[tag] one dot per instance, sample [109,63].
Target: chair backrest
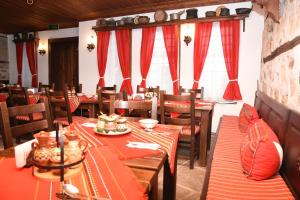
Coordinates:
[181,106]
[43,87]
[199,93]
[144,106]
[114,88]
[105,95]
[9,131]
[140,89]
[59,104]
[18,96]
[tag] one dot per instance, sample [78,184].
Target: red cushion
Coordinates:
[248,116]
[260,156]
[186,130]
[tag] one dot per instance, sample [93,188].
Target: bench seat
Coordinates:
[227,180]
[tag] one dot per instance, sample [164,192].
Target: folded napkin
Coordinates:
[88,124]
[142,145]
[21,153]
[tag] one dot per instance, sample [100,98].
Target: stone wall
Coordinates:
[280,77]
[4,66]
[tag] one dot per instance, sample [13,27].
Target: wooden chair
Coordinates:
[104,97]
[199,93]
[9,131]
[140,89]
[42,87]
[145,107]
[77,89]
[60,110]
[18,96]
[184,109]
[114,88]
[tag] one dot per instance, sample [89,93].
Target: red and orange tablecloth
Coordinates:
[164,135]
[100,177]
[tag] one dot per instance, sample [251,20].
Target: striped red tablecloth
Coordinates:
[164,135]
[100,177]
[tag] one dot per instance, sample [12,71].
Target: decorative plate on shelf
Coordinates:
[112,133]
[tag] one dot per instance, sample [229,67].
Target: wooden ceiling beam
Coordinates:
[17,16]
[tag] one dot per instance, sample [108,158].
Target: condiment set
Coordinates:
[112,123]
[47,153]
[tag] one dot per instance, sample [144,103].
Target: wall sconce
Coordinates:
[90,45]
[187,40]
[42,50]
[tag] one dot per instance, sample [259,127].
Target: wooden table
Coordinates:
[206,113]
[146,170]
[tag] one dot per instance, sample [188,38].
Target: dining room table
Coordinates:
[203,110]
[112,169]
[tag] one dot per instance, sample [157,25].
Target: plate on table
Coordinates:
[112,133]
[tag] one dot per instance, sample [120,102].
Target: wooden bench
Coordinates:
[224,177]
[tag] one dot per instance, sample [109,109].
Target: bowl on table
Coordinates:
[148,124]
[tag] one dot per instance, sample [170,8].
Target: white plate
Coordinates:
[111,133]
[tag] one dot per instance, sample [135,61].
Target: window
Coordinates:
[159,72]
[214,77]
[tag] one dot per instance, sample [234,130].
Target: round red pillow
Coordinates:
[261,153]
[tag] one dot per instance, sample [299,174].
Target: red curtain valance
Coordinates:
[230,33]
[123,44]
[102,51]
[201,44]
[171,39]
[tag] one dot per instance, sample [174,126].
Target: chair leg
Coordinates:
[192,153]
[198,146]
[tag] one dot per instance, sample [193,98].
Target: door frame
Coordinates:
[58,40]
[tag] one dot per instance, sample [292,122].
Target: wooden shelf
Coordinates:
[183,21]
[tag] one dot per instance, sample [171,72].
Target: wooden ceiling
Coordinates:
[18,16]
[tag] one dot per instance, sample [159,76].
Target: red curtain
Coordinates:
[148,37]
[201,43]
[124,52]
[102,49]
[230,33]
[171,38]
[31,50]
[19,53]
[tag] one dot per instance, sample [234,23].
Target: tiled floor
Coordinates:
[189,182]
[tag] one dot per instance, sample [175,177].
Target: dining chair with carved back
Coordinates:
[19,96]
[147,108]
[60,106]
[180,110]
[42,87]
[104,98]
[11,130]
[199,93]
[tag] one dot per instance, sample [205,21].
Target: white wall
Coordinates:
[42,60]
[249,63]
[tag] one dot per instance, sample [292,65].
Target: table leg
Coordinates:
[169,182]
[204,136]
